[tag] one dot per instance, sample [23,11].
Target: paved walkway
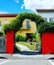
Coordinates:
[23,48]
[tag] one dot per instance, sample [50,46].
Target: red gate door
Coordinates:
[10,42]
[47,43]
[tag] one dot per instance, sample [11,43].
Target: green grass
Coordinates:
[28,44]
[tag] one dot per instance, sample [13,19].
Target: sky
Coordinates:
[18,6]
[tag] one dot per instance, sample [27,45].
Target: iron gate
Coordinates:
[2,44]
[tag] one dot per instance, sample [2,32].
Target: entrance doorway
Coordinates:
[29,37]
[2,44]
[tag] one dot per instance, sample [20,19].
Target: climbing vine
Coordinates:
[16,23]
[46,27]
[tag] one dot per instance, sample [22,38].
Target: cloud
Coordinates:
[17,1]
[3,12]
[36,4]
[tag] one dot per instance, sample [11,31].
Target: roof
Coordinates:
[38,10]
[8,15]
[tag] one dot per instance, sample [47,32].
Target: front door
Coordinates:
[2,45]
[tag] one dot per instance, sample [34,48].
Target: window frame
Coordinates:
[28,23]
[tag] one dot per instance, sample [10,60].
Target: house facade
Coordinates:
[5,18]
[28,27]
[48,14]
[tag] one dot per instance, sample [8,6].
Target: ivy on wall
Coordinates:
[46,27]
[16,23]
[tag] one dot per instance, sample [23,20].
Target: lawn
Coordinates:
[28,44]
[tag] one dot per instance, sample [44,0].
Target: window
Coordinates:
[51,19]
[28,23]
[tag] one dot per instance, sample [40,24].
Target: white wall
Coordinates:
[47,15]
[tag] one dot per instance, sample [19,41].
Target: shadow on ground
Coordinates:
[26,52]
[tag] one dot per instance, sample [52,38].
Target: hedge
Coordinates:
[19,38]
[46,27]
[16,23]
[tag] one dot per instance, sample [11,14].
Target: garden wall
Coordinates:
[10,42]
[47,43]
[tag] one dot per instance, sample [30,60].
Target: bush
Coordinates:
[38,38]
[46,27]
[19,38]
[33,36]
[1,33]
[6,27]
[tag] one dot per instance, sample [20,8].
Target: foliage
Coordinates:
[46,27]
[16,37]
[38,38]
[33,35]
[1,33]
[6,27]
[16,23]
[19,38]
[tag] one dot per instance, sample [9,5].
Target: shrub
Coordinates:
[1,33]
[46,27]
[33,36]
[19,38]
[38,38]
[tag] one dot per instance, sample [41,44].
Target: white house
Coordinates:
[48,14]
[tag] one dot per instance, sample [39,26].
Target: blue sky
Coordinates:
[18,6]
[12,6]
